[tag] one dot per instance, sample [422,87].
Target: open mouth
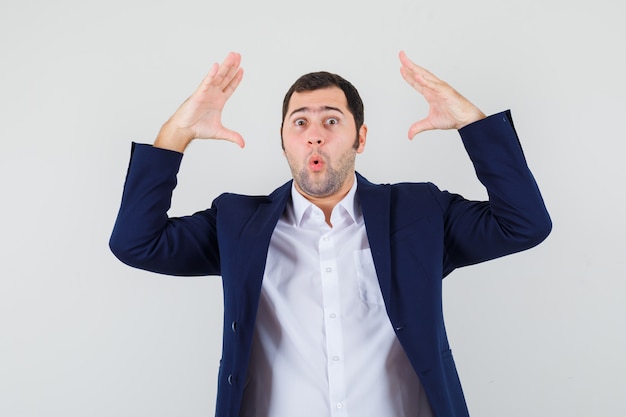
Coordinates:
[316,163]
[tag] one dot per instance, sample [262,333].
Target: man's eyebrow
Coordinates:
[318,109]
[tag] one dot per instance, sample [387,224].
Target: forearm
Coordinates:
[500,164]
[144,236]
[515,217]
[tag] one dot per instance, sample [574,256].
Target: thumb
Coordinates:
[232,136]
[419,127]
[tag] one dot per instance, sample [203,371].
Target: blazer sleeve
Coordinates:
[145,237]
[515,217]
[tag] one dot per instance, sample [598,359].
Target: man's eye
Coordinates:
[332,121]
[300,122]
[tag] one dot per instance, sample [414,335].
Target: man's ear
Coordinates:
[362,138]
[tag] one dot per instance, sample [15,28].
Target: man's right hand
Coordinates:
[200,116]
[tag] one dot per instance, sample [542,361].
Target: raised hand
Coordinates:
[447,108]
[200,116]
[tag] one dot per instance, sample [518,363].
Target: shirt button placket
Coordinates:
[331,304]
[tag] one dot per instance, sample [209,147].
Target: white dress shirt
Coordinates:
[323,344]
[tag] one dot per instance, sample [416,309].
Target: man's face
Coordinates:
[319,137]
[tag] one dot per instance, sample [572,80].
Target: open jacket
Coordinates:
[417,234]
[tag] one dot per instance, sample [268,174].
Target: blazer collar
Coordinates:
[375,204]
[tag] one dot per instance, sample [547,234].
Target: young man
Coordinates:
[332,285]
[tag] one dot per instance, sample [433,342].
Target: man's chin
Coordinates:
[314,189]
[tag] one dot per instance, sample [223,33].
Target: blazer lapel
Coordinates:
[256,236]
[375,204]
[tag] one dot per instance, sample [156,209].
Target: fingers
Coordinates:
[206,82]
[234,82]
[415,75]
[225,76]
[228,71]
[413,79]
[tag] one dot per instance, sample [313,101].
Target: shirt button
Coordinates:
[333,315]
[340,406]
[336,358]
[329,269]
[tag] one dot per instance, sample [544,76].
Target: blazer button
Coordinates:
[234,326]
[230,379]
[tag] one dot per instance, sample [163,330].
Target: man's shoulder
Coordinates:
[367,185]
[419,197]
[277,195]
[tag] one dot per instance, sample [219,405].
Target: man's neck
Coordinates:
[328,203]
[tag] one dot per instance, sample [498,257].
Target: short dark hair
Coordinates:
[320,80]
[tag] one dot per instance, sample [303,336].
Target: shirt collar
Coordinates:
[350,204]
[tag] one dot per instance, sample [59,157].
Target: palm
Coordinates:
[201,114]
[447,108]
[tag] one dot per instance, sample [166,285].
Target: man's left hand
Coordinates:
[447,108]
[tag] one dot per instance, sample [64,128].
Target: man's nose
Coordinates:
[315,136]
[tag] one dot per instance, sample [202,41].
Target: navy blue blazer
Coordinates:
[417,234]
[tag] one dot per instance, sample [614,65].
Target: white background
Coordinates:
[540,333]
